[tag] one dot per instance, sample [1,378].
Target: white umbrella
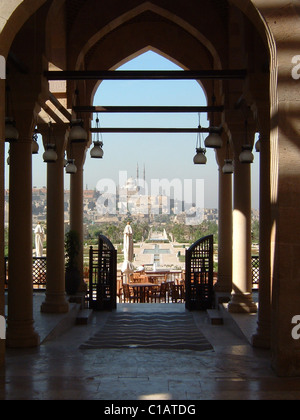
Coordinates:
[39,238]
[128,267]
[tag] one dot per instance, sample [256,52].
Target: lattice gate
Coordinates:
[199,275]
[103,276]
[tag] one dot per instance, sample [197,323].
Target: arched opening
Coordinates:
[94,50]
[166,159]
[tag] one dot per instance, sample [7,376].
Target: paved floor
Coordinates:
[59,370]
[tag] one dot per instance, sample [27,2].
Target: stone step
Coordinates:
[215,317]
[84,316]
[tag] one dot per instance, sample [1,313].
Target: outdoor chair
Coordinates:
[159,293]
[136,278]
[119,290]
[177,293]
[128,293]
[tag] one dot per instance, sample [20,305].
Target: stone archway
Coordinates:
[280,35]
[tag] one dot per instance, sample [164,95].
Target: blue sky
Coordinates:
[167,156]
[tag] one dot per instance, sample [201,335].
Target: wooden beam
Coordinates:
[148,109]
[147,75]
[150,130]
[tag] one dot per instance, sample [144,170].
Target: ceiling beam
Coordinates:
[147,75]
[150,130]
[148,109]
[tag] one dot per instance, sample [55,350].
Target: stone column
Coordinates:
[76,201]
[262,338]
[241,300]
[2,272]
[224,284]
[55,301]
[20,324]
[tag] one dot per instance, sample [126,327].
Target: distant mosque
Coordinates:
[133,185]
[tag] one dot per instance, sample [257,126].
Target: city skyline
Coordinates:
[166,156]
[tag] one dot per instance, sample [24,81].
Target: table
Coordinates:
[141,291]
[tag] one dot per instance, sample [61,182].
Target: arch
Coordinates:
[93,88]
[131,14]
[16,13]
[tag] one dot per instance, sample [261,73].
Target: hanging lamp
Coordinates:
[77,133]
[200,158]
[213,140]
[50,155]
[228,168]
[11,132]
[246,156]
[97,150]
[71,167]
[34,145]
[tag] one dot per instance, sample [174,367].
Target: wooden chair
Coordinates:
[136,278]
[119,290]
[128,293]
[159,293]
[177,293]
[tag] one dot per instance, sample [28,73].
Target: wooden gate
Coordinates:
[103,276]
[199,275]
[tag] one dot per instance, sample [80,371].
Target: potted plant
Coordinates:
[72,275]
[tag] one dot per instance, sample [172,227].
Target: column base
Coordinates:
[2,353]
[262,338]
[21,335]
[55,303]
[261,341]
[242,303]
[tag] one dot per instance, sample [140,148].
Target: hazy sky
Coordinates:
[165,156]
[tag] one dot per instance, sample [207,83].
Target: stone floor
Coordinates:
[59,370]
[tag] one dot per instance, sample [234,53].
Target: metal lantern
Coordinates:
[200,158]
[214,140]
[71,167]
[97,151]
[246,156]
[77,133]
[50,155]
[11,133]
[228,168]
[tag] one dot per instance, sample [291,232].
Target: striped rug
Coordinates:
[176,331]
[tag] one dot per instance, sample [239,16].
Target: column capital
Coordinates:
[57,134]
[78,152]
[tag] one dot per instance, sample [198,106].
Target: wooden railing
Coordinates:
[39,272]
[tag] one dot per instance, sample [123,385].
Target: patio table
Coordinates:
[141,291]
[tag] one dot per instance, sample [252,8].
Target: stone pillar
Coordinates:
[241,300]
[76,201]
[224,284]
[55,301]
[262,338]
[20,324]
[2,272]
